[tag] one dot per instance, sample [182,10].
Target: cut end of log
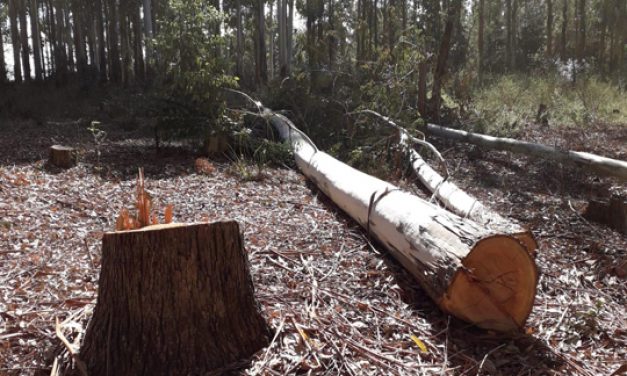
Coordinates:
[496,287]
[161,226]
[62,156]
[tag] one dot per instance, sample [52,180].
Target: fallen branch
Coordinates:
[592,162]
[405,138]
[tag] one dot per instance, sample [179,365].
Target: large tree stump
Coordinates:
[173,300]
[62,156]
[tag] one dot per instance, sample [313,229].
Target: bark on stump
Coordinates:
[62,156]
[612,213]
[173,300]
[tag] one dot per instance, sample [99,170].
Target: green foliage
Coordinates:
[261,151]
[252,155]
[389,84]
[190,69]
[512,101]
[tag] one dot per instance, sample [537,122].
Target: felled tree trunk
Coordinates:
[592,162]
[173,300]
[480,276]
[62,156]
[451,196]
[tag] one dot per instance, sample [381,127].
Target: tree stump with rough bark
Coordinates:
[174,300]
[612,213]
[62,156]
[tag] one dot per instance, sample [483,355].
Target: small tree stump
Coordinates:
[173,300]
[612,213]
[62,156]
[216,145]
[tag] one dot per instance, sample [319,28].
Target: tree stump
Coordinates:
[173,300]
[612,213]
[62,156]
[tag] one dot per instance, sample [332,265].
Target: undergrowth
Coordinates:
[509,102]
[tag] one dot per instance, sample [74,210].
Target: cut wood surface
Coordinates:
[173,299]
[62,156]
[450,195]
[486,278]
[592,162]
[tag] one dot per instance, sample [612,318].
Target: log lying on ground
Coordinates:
[592,162]
[451,196]
[485,278]
[62,156]
[173,300]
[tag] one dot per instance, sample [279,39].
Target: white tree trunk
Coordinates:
[147,8]
[485,278]
[592,162]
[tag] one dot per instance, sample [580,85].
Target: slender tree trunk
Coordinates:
[508,37]
[112,38]
[403,17]
[125,44]
[147,8]
[62,62]
[603,24]
[34,25]
[90,30]
[24,39]
[15,41]
[90,25]
[271,40]
[549,28]
[239,56]
[564,29]
[282,24]
[514,35]
[138,54]
[102,43]
[261,66]
[423,70]
[480,36]
[358,34]
[68,38]
[52,39]
[71,53]
[373,30]
[331,39]
[440,69]
[392,14]
[79,45]
[290,35]
[581,43]
[3,67]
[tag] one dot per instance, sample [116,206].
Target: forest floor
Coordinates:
[337,303]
